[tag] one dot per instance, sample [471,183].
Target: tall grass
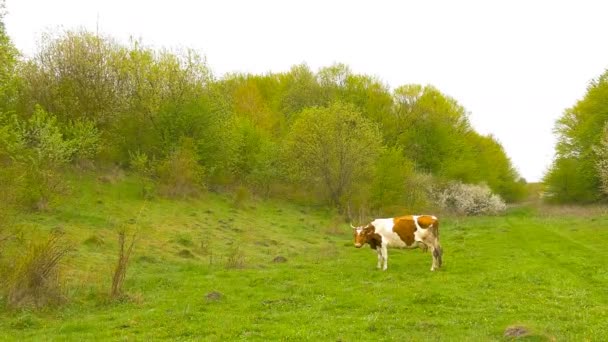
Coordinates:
[35,279]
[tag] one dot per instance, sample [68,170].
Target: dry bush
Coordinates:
[180,175]
[235,258]
[35,279]
[112,175]
[124,253]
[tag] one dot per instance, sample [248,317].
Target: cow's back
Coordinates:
[404,231]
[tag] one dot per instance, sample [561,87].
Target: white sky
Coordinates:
[515,65]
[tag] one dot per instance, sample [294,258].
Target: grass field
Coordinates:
[204,270]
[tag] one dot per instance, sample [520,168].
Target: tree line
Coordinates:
[579,172]
[329,136]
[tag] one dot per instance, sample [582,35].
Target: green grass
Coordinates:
[546,273]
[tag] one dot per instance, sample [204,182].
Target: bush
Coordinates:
[601,165]
[180,174]
[34,281]
[469,199]
[83,138]
[36,151]
[141,164]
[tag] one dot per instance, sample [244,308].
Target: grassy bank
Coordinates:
[207,270]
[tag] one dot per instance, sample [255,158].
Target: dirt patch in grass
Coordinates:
[213,296]
[185,253]
[94,240]
[516,331]
[279,259]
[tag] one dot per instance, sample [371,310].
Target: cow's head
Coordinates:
[362,234]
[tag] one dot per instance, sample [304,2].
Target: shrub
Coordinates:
[235,258]
[124,254]
[142,166]
[180,174]
[34,151]
[83,138]
[34,281]
[469,199]
[241,196]
[601,165]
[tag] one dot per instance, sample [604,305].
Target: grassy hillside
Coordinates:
[204,270]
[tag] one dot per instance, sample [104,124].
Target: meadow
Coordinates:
[217,269]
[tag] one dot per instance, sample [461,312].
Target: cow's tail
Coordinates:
[437,250]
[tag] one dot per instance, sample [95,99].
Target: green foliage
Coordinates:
[110,99]
[571,180]
[574,176]
[9,78]
[43,138]
[143,167]
[84,138]
[333,148]
[601,151]
[180,174]
[268,168]
[434,131]
[392,171]
[33,153]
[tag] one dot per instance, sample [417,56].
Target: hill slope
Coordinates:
[204,270]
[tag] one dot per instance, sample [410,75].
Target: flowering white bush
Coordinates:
[601,151]
[469,199]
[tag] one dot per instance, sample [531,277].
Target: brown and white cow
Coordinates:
[404,232]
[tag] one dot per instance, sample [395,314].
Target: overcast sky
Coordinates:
[514,65]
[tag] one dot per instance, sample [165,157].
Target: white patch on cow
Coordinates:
[384,227]
[420,233]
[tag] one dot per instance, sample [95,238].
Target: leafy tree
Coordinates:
[8,67]
[574,176]
[75,76]
[390,175]
[333,148]
[299,90]
[601,150]
[430,128]
[38,149]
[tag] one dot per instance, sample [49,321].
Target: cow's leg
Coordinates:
[380,258]
[436,252]
[384,256]
[434,265]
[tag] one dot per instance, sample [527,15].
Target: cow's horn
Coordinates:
[353,227]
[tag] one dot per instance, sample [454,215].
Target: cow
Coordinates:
[404,232]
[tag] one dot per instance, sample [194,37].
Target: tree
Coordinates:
[8,62]
[574,175]
[430,127]
[299,90]
[601,150]
[391,174]
[333,148]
